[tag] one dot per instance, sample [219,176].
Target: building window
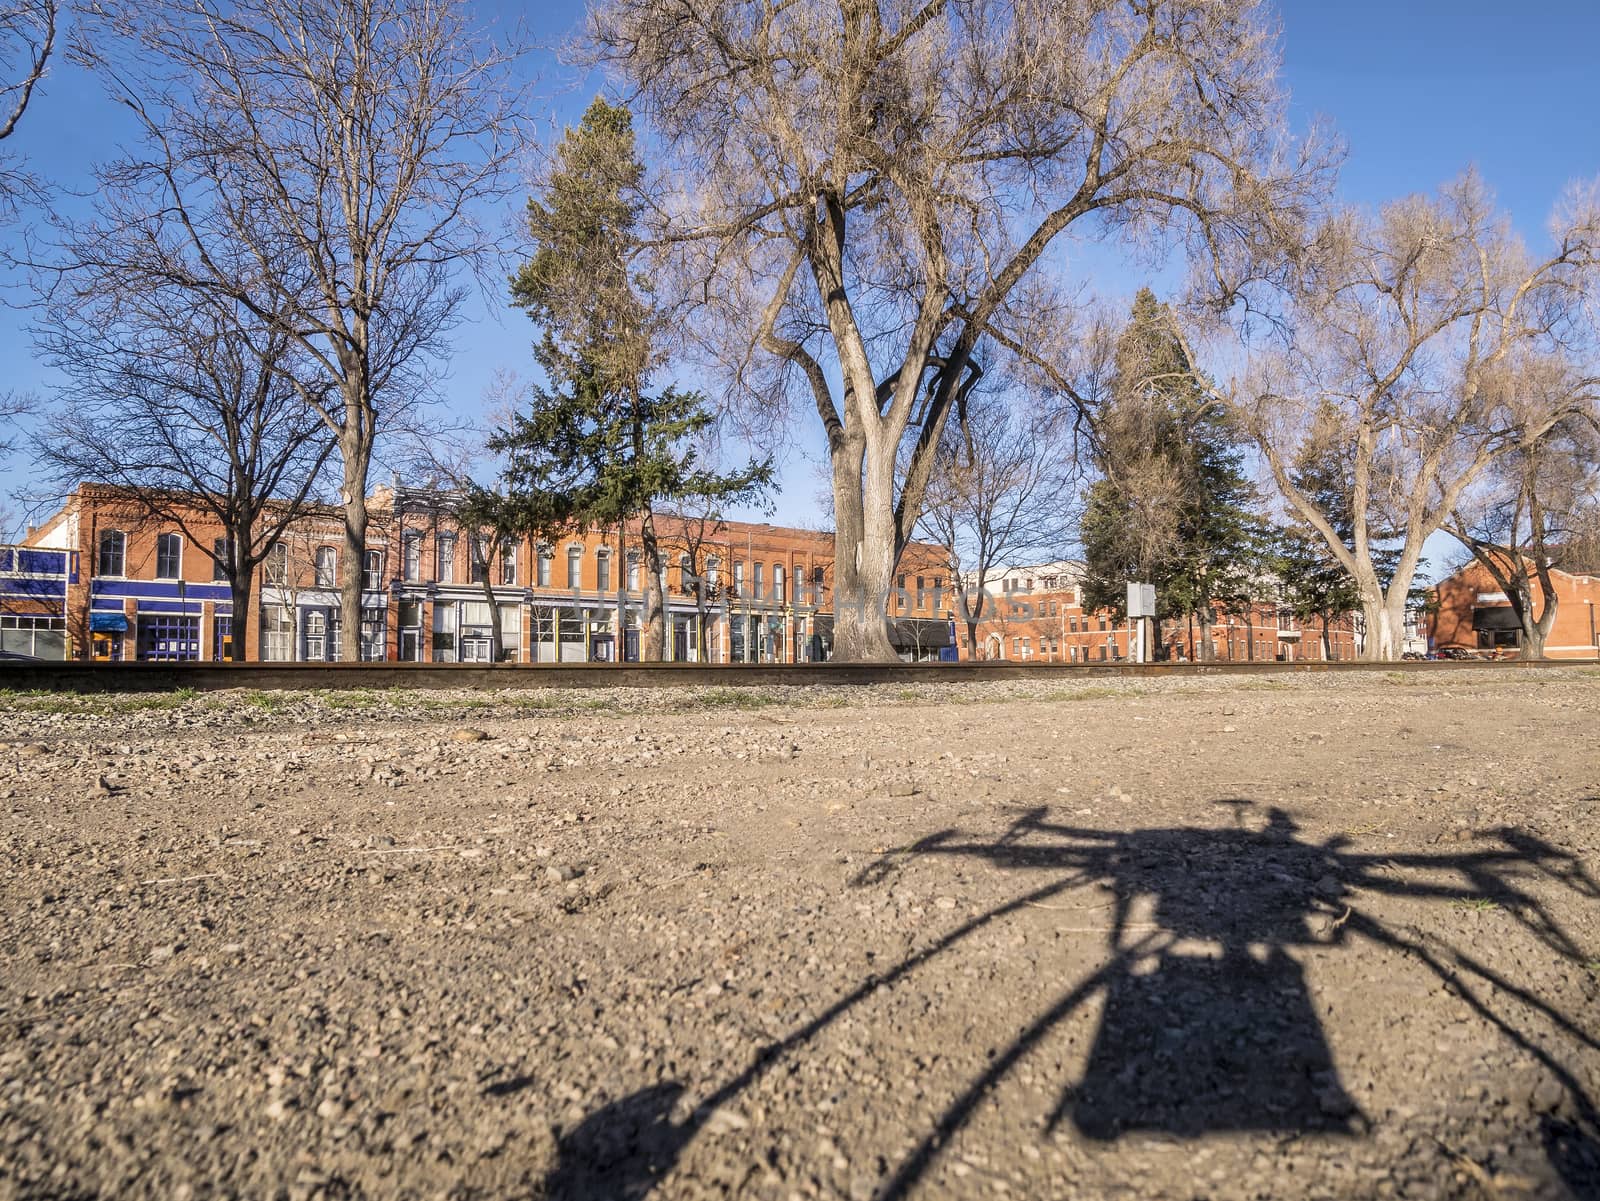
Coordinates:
[685,574]
[900,592]
[738,578]
[113,552]
[544,568]
[325,565]
[221,556]
[713,571]
[922,593]
[777,582]
[508,562]
[1102,619]
[938,591]
[169,556]
[444,555]
[633,571]
[478,568]
[759,582]
[575,568]
[602,569]
[411,555]
[372,571]
[277,565]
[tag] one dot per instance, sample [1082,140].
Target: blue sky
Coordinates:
[1417,88]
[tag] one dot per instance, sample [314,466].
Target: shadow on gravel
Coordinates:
[1208,1024]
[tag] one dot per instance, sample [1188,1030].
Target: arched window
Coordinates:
[169,556]
[277,564]
[508,561]
[325,567]
[372,571]
[777,582]
[113,553]
[633,571]
[545,556]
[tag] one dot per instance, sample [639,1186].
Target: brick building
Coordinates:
[102,579]
[1470,612]
[1036,613]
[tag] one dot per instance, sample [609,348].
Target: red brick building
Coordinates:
[1472,613]
[140,588]
[1035,613]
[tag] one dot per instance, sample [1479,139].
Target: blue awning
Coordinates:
[107,623]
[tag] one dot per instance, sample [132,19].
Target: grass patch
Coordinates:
[355,698]
[1096,693]
[731,698]
[96,704]
[1268,686]
[1478,905]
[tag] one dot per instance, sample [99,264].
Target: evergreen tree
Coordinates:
[596,447]
[1173,507]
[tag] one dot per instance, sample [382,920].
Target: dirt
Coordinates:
[1202,938]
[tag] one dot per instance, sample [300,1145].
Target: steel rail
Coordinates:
[26,675]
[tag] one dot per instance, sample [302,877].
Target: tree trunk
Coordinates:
[496,637]
[1208,648]
[240,587]
[864,559]
[653,639]
[1327,641]
[619,643]
[1386,622]
[354,453]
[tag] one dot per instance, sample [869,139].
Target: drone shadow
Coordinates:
[1207,1023]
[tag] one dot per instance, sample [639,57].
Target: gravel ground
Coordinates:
[1202,938]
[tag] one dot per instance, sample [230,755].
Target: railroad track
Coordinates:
[162,677]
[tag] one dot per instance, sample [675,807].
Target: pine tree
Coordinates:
[596,447]
[1173,507]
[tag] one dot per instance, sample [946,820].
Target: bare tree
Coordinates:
[191,405]
[1003,486]
[1396,335]
[872,189]
[1526,521]
[27,39]
[355,138]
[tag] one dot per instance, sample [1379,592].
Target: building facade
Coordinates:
[1471,613]
[1036,613]
[102,579]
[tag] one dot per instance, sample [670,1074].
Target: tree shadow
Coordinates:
[1208,1024]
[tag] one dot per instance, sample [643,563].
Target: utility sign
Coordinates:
[1141,600]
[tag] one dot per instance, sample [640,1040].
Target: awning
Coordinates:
[108,623]
[905,633]
[1500,617]
[919,633]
